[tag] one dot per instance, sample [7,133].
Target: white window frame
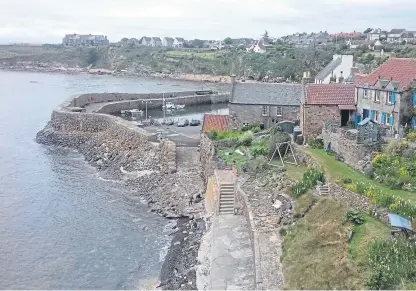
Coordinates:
[279,111]
[266,110]
[389,97]
[377,96]
[377,116]
[387,118]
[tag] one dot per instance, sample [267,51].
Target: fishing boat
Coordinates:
[180,106]
[169,105]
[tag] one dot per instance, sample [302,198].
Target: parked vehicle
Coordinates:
[169,121]
[183,122]
[195,122]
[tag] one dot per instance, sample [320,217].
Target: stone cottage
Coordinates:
[264,103]
[334,103]
[388,94]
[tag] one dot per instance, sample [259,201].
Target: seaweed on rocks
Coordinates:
[179,269]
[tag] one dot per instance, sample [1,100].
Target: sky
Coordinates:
[47,21]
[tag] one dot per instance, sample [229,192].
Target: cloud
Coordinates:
[49,20]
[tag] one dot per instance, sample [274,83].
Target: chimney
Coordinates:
[341,78]
[232,88]
[306,78]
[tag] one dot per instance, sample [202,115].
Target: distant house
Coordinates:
[156,41]
[133,41]
[395,35]
[377,34]
[167,42]
[214,122]
[409,36]
[259,46]
[85,40]
[147,41]
[338,68]
[178,42]
[264,103]
[388,94]
[334,103]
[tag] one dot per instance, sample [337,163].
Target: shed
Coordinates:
[368,131]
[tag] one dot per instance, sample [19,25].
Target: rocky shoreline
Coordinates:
[167,194]
[78,70]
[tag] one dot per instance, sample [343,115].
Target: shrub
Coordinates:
[392,262]
[396,148]
[346,180]
[411,136]
[352,187]
[245,139]
[259,149]
[309,180]
[213,135]
[258,164]
[316,143]
[256,129]
[355,217]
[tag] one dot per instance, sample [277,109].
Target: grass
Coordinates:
[316,252]
[185,54]
[294,172]
[303,203]
[232,158]
[336,171]
[364,235]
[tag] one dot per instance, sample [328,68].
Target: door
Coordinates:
[366,113]
[345,117]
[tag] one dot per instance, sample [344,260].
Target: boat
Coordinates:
[180,106]
[124,112]
[136,112]
[169,105]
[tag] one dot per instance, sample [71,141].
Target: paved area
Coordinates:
[183,136]
[232,256]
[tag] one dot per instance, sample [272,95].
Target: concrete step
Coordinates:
[226,194]
[227,198]
[226,203]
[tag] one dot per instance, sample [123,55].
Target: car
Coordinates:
[183,122]
[195,122]
[169,121]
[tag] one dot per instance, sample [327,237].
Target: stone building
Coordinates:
[85,40]
[334,103]
[388,94]
[264,103]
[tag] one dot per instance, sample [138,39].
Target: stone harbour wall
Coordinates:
[116,107]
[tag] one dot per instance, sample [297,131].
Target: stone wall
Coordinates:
[206,155]
[344,143]
[244,113]
[85,99]
[313,117]
[108,141]
[116,107]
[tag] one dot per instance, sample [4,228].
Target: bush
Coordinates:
[223,135]
[213,135]
[411,136]
[259,149]
[392,263]
[245,139]
[396,148]
[346,180]
[309,180]
[316,143]
[258,164]
[355,217]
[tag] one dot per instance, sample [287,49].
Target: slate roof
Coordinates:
[328,69]
[214,122]
[397,31]
[156,39]
[267,93]
[402,70]
[179,39]
[330,94]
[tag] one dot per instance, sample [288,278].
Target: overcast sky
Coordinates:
[41,21]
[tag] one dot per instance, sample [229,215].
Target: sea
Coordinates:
[62,226]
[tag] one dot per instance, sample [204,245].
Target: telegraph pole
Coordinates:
[164,107]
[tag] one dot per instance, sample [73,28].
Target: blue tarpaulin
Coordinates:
[401,222]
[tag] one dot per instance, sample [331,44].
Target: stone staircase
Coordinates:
[227,199]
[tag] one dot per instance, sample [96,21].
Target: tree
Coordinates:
[124,39]
[228,40]
[197,43]
[266,34]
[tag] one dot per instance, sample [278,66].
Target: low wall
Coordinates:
[85,99]
[344,143]
[116,107]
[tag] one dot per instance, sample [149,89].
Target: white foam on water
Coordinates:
[168,229]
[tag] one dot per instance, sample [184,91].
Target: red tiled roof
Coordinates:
[400,69]
[330,94]
[213,122]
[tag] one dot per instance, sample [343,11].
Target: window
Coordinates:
[376,116]
[387,119]
[377,96]
[365,93]
[279,111]
[266,110]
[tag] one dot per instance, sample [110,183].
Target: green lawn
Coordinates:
[294,172]
[336,171]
